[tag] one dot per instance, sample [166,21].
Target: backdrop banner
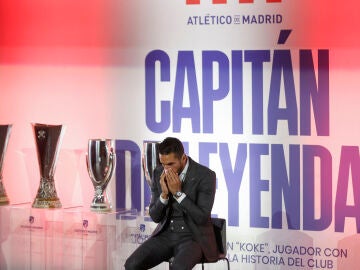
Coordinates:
[251,91]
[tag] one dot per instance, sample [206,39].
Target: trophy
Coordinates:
[48,140]
[101,162]
[150,162]
[4,139]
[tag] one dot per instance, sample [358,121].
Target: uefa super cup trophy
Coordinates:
[150,162]
[48,140]
[101,162]
[5,131]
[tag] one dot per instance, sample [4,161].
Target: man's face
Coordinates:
[173,162]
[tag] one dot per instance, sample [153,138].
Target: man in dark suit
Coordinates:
[182,196]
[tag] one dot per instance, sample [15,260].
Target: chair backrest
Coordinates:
[219,225]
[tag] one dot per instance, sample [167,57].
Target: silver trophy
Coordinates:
[48,140]
[5,131]
[101,162]
[150,161]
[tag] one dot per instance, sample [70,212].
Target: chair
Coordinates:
[219,225]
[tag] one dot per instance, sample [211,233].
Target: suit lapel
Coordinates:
[190,178]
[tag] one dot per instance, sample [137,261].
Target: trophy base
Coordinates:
[100,207]
[4,200]
[48,204]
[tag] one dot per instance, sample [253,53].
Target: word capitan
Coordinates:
[222,76]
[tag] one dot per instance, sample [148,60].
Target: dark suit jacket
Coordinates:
[199,186]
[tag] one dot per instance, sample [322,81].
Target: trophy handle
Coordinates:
[112,158]
[89,171]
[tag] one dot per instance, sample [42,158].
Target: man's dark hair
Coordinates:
[171,145]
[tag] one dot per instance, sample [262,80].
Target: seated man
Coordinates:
[182,196]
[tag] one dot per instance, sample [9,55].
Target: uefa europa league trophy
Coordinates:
[48,140]
[4,139]
[101,162]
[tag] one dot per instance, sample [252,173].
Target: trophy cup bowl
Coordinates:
[48,140]
[101,162]
[5,131]
[150,160]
